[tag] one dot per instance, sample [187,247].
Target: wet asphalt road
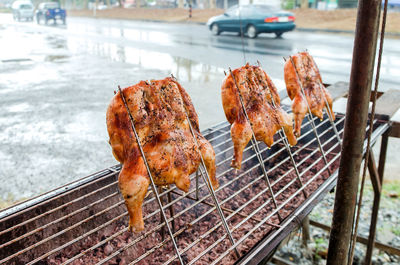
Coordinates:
[56,83]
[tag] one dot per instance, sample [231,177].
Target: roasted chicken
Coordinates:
[302,71]
[256,89]
[158,109]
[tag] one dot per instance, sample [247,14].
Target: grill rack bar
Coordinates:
[224,126]
[249,147]
[261,193]
[88,219]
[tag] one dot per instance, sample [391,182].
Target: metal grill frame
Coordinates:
[258,252]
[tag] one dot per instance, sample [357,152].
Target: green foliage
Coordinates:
[396,231]
[391,187]
[288,4]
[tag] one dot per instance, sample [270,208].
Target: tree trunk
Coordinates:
[108,3]
[212,3]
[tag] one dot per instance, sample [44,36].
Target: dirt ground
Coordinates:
[342,19]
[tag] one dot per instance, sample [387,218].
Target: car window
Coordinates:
[51,5]
[233,11]
[25,6]
[264,9]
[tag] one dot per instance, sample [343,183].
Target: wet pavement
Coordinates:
[56,83]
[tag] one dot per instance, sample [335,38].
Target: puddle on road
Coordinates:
[184,69]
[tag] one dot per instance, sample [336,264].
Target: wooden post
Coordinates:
[354,130]
[305,225]
[304,4]
[212,4]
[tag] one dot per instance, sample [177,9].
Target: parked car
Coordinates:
[22,10]
[253,20]
[50,11]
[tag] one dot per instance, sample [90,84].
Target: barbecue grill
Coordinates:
[85,222]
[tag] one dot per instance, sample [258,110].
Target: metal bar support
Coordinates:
[207,180]
[255,145]
[150,176]
[377,181]
[309,116]
[282,135]
[328,110]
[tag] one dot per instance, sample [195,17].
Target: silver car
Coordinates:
[23,10]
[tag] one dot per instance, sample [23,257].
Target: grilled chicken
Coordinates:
[309,78]
[256,89]
[158,110]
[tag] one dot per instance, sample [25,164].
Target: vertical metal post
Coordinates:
[354,130]
[382,154]
[376,181]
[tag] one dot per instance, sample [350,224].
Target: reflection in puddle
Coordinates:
[184,69]
[55,58]
[22,107]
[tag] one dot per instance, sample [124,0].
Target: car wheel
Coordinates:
[215,29]
[278,34]
[251,32]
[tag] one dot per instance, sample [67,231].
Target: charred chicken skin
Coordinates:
[256,89]
[158,110]
[303,72]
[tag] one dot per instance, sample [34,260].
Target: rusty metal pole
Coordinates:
[354,131]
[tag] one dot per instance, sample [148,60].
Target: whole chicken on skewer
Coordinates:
[256,89]
[301,71]
[158,109]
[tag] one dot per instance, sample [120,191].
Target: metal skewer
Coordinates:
[207,180]
[153,186]
[255,145]
[310,115]
[283,136]
[330,115]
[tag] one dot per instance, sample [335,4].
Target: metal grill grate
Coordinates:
[87,223]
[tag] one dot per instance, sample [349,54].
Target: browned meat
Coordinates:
[158,109]
[310,78]
[256,89]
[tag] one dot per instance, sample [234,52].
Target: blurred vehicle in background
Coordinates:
[253,20]
[50,11]
[393,4]
[22,10]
